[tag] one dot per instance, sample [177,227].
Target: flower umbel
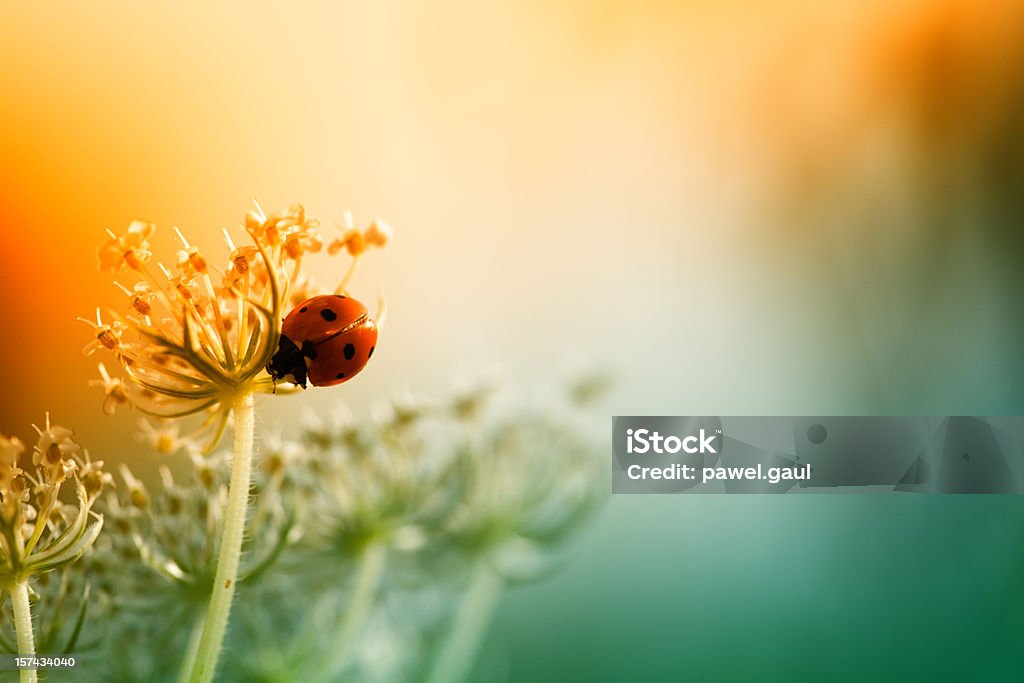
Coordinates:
[39,532]
[192,338]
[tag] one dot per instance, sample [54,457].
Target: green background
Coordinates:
[764,588]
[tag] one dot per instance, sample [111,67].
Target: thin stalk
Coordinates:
[348,276]
[243,317]
[216,623]
[221,330]
[44,514]
[371,567]
[23,627]
[192,647]
[470,625]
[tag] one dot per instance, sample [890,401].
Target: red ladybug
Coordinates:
[328,339]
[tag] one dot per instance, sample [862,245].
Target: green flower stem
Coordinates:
[23,627]
[470,626]
[192,647]
[371,568]
[216,625]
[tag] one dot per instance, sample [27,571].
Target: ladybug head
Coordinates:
[288,364]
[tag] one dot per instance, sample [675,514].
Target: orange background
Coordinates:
[580,182]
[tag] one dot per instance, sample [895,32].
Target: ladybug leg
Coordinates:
[298,376]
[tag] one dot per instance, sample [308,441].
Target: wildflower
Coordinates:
[135,491]
[353,241]
[241,260]
[164,437]
[12,488]
[278,456]
[40,533]
[205,471]
[303,238]
[469,403]
[51,452]
[130,250]
[322,432]
[105,336]
[356,242]
[588,387]
[405,411]
[167,533]
[196,348]
[93,477]
[377,487]
[140,297]
[189,346]
[531,482]
[379,233]
[113,390]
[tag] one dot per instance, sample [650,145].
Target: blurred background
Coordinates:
[734,207]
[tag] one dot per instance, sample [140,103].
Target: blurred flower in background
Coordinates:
[378,548]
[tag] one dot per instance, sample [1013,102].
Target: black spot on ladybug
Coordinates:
[328,315]
[340,375]
[349,351]
[370,354]
[309,350]
[303,309]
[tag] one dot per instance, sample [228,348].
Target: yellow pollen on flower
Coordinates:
[198,262]
[107,338]
[138,298]
[141,305]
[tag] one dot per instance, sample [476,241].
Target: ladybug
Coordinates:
[327,339]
